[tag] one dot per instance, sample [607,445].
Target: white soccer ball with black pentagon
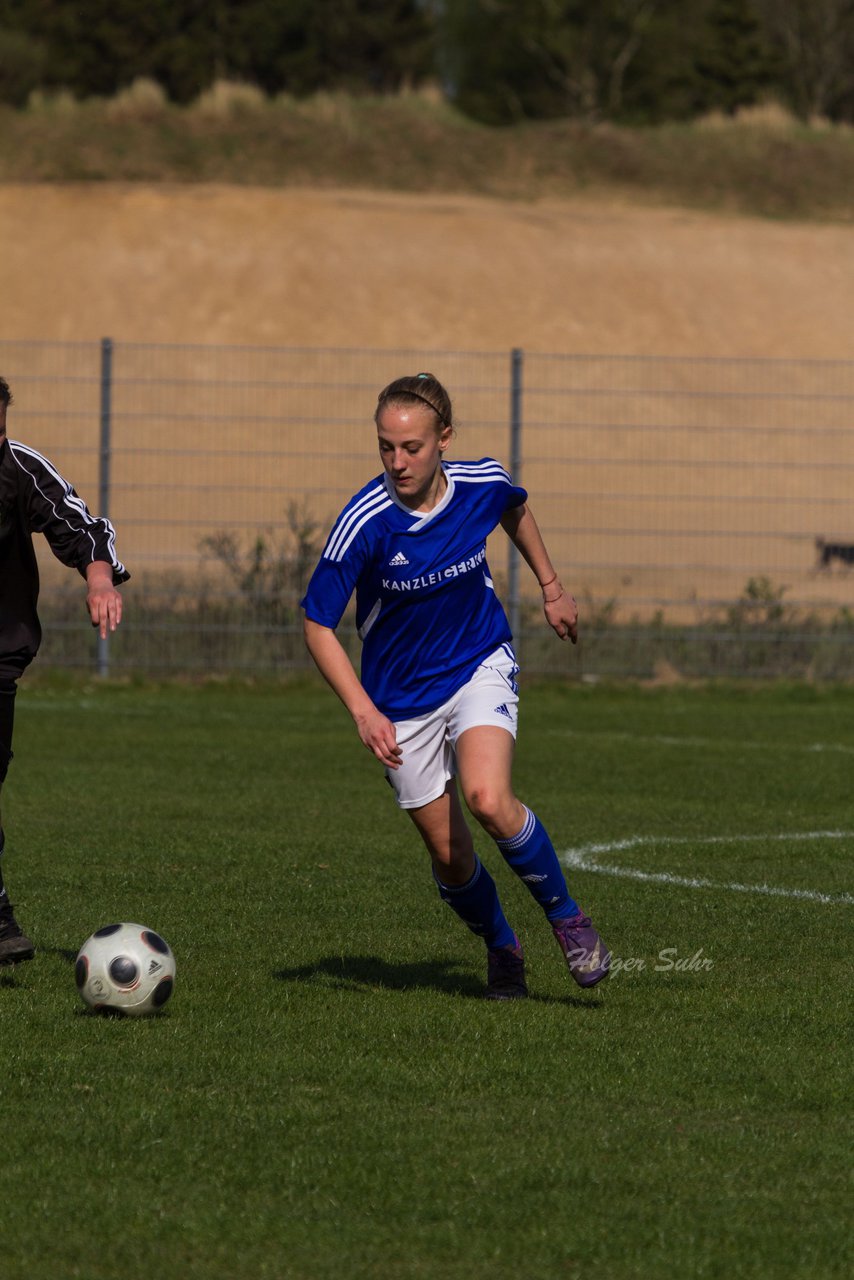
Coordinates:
[126,968]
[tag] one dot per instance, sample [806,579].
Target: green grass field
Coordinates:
[327,1096]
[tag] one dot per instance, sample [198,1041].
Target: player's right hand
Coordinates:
[562,616]
[378,735]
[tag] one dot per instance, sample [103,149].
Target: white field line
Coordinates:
[671,740]
[586,858]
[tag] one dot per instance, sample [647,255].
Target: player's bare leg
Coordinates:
[442,827]
[485,763]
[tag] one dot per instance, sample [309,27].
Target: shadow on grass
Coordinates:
[364,973]
[370,973]
[64,953]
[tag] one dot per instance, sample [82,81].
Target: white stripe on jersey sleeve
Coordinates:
[73,501]
[370,620]
[352,520]
[478,472]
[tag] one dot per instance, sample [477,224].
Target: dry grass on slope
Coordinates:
[761,163]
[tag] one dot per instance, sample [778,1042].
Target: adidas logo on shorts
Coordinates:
[502,711]
[400,558]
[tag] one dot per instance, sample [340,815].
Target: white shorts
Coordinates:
[428,742]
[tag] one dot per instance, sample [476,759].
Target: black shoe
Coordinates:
[14,943]
[505,978]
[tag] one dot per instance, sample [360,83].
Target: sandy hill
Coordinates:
[213,264]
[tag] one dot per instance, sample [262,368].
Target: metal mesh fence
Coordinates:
[699,509]
[668,484]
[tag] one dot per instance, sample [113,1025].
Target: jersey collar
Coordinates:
[422,517]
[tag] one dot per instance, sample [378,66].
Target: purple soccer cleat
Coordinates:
[505,974]
[586,955]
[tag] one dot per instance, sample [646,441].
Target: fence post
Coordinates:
[516,362]
[103,645]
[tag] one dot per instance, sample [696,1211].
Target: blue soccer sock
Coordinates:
[531,855]
[477,905]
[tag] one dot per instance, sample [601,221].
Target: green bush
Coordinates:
[22,63]
[240,614]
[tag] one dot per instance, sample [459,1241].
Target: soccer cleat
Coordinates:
[586,955]
[505,974]
[14,943]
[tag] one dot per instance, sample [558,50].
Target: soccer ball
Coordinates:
[126,968]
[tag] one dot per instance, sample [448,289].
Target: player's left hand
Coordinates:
[562,616]
[105,607]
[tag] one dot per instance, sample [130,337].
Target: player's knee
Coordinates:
[486,803]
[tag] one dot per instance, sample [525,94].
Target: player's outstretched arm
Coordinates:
[375,730]
[103,601]
[559,607]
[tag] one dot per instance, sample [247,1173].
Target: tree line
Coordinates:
[498,61]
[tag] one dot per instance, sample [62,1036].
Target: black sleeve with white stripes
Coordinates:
[53,508]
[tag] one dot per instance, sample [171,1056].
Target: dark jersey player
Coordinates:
[437,699]
[34,498]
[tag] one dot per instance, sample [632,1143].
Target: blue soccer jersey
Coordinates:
[426,608]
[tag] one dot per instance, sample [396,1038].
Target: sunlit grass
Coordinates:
[327,1094]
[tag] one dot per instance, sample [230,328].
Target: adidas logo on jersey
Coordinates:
[502,711]
[399,559]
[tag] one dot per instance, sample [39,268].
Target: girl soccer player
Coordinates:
[437,700]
